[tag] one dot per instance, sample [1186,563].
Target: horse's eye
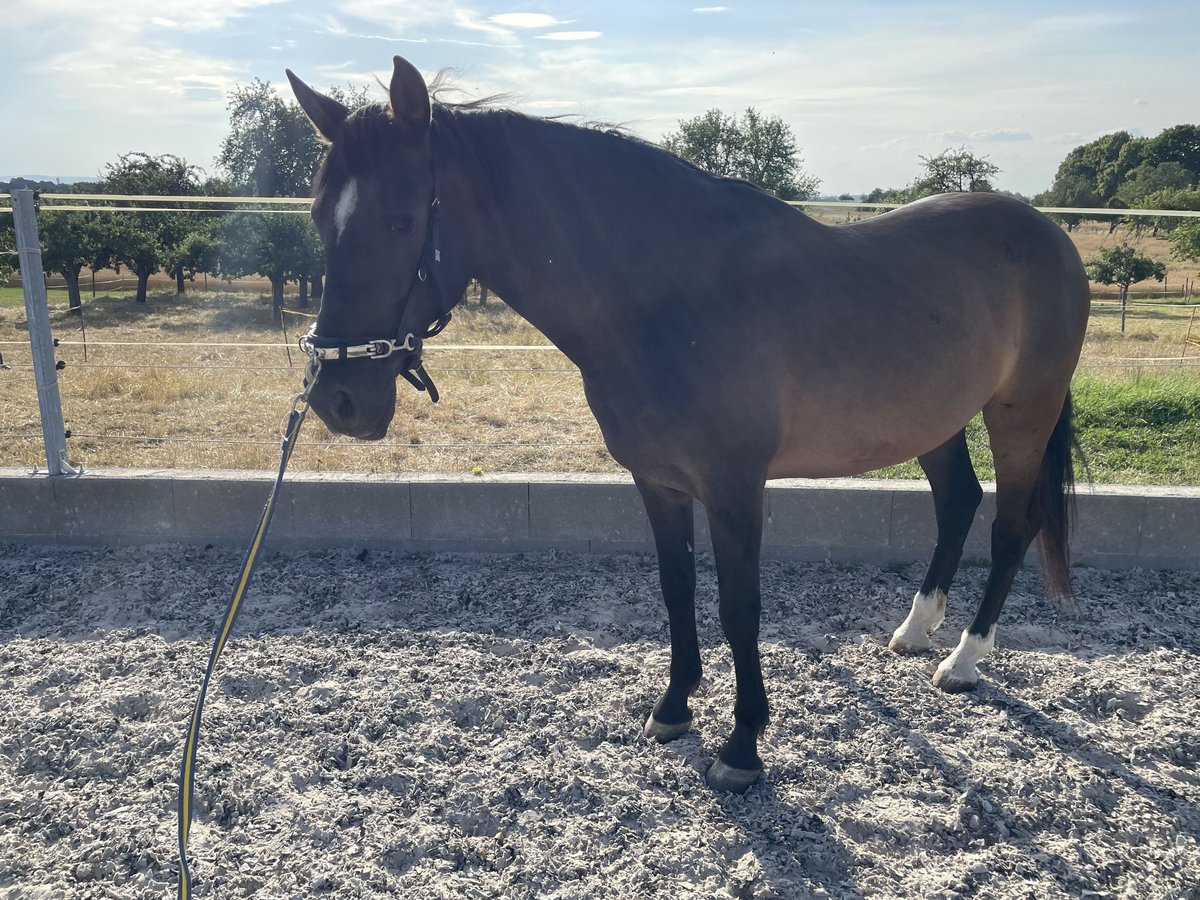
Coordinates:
[400,224]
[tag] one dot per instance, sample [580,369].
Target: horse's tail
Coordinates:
[1053,502]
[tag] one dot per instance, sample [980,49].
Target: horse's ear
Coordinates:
[409,96]
[326,114]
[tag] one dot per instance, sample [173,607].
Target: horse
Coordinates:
[724,338]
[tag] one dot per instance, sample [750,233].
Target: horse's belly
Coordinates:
[837,439]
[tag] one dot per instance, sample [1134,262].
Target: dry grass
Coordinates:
[220,405]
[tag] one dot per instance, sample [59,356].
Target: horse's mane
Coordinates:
[495,106]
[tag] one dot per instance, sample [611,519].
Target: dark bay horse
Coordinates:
[724,338]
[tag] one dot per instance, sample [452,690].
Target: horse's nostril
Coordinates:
[343,406]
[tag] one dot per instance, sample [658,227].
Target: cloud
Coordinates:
[710,9]
[399,18]
[131,15]
[1141,101]
[984,136]
[525,20]
[570,35]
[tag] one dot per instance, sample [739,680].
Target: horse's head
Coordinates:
[375,207]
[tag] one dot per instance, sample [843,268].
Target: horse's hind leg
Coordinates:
[956,497]
[1020,433]
[670,514]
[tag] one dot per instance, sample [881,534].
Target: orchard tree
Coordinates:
[145,241]
[279,246]
[70,241]
[8,245]
[1124,266]
[272,150]
[757,148]
[1185,240]
[948,172]
[954,171]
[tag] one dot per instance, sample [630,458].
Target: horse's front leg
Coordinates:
[670,514]
[735,523]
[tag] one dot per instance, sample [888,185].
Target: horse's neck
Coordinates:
[554,227]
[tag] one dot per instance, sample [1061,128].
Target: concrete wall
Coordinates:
[839,519]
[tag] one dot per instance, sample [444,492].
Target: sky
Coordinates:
[867,87]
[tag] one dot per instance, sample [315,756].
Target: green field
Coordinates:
[1138,429]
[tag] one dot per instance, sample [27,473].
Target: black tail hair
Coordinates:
[1053,502]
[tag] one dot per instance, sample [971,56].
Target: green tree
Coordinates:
[1185,240]
[757,148]
[1118,170]
[949,172]
[70,241]
[1151,178]
[278,246]
[1123,266]
[1074,190]
[1174,199]
[8,245]
[272,151]
[1179,144]
[954,171]
[145,242]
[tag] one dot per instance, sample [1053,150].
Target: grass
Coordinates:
[1137,429]
[220,405]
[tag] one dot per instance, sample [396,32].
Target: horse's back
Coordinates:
[924,315]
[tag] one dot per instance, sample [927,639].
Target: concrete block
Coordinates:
[223,511]
[27,506]
[828,517]
[587,512]
[913,531]
[335,513]
[979,541]
[1170,527]
[472,510]
[1106,524]
[134,507]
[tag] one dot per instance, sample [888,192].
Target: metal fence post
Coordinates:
[41,341]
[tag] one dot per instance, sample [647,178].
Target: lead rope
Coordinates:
[187,771]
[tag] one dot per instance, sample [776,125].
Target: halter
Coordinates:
[320,348]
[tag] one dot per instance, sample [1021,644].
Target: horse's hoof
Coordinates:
[953,682]
[910,644]
[724,777]
[663,731]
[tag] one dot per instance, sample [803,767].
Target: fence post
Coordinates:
[41,342]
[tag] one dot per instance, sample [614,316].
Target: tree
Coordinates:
[8,245]
[1118,170]
[70,241]
[1150,178]
[1184,199]
[1185,240]
[1179,144]
[757,148]
[1074,190]
[954,171]
[949,172]
[1124,266]
[279,246]
[272,151]
[145,241]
